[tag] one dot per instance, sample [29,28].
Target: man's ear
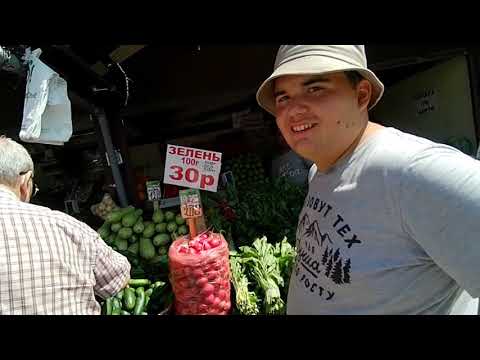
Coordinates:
[24,190]
[364,91]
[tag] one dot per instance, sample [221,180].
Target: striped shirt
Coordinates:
[51,263]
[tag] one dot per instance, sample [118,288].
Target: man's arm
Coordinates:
[112,270]
[440,208]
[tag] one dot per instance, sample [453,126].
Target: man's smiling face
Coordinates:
[318,115]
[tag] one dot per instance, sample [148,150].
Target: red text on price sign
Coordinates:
[192,168]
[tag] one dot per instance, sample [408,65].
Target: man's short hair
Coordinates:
[353,77]
[14,160]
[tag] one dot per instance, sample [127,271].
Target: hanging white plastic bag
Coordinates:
[47,114]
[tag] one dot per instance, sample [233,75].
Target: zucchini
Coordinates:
[116,227]
[114,217]
[129,299]
[116,306]
[147,300]
[108,306]
[139,282]
[119,295]
[149,292]
[159,283]
[123,312]
[139,290]
[140,304]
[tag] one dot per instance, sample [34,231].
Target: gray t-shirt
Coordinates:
[293,167]
[394,228]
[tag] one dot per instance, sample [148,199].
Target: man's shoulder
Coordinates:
[418,161]
[59,218]
[398,148]
[394,139]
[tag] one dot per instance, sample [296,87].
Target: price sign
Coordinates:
[192,168]
[154,192]
[191,204]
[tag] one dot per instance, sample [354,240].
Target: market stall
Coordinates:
[234,257]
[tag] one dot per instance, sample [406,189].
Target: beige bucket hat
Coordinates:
[317,59]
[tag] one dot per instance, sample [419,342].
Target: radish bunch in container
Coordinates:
[200,275]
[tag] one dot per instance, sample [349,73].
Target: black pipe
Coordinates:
[107,138]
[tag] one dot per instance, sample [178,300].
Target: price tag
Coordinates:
[154,192]
[192,168]
[191,204]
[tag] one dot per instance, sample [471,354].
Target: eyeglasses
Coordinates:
[35,188]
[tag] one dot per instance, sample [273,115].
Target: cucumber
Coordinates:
[139,290]
[104,231]
[123,312]
[114,217]
[108,306]
[182,230]
[139,305]
[119,295]
[169,216]
[146,249]
[179,220]
[125,233]
[116,227]
[121,244]
[110,239]
[147,299]
[159,283]
[161,228]
[133,239]
[139,282]
[129,299]
[138,228]
[116,312]
[158,216]
[149,292]
[129,220]
[133,249]
[149,231]
[161,240]
[143,313]
[116,304]
[172,226]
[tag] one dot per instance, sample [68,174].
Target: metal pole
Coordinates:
[9,62]
[117,176]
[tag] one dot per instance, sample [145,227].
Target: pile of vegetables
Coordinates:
[145,243]
[135,300]
[247,170]
[269,209]
[260,276]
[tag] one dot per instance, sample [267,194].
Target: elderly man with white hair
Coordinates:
[50,263]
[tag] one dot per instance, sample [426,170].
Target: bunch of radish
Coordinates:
[200,275]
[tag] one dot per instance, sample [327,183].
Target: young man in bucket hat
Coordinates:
[390,223]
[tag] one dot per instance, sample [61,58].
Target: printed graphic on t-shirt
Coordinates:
[324,240]
[286,170]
